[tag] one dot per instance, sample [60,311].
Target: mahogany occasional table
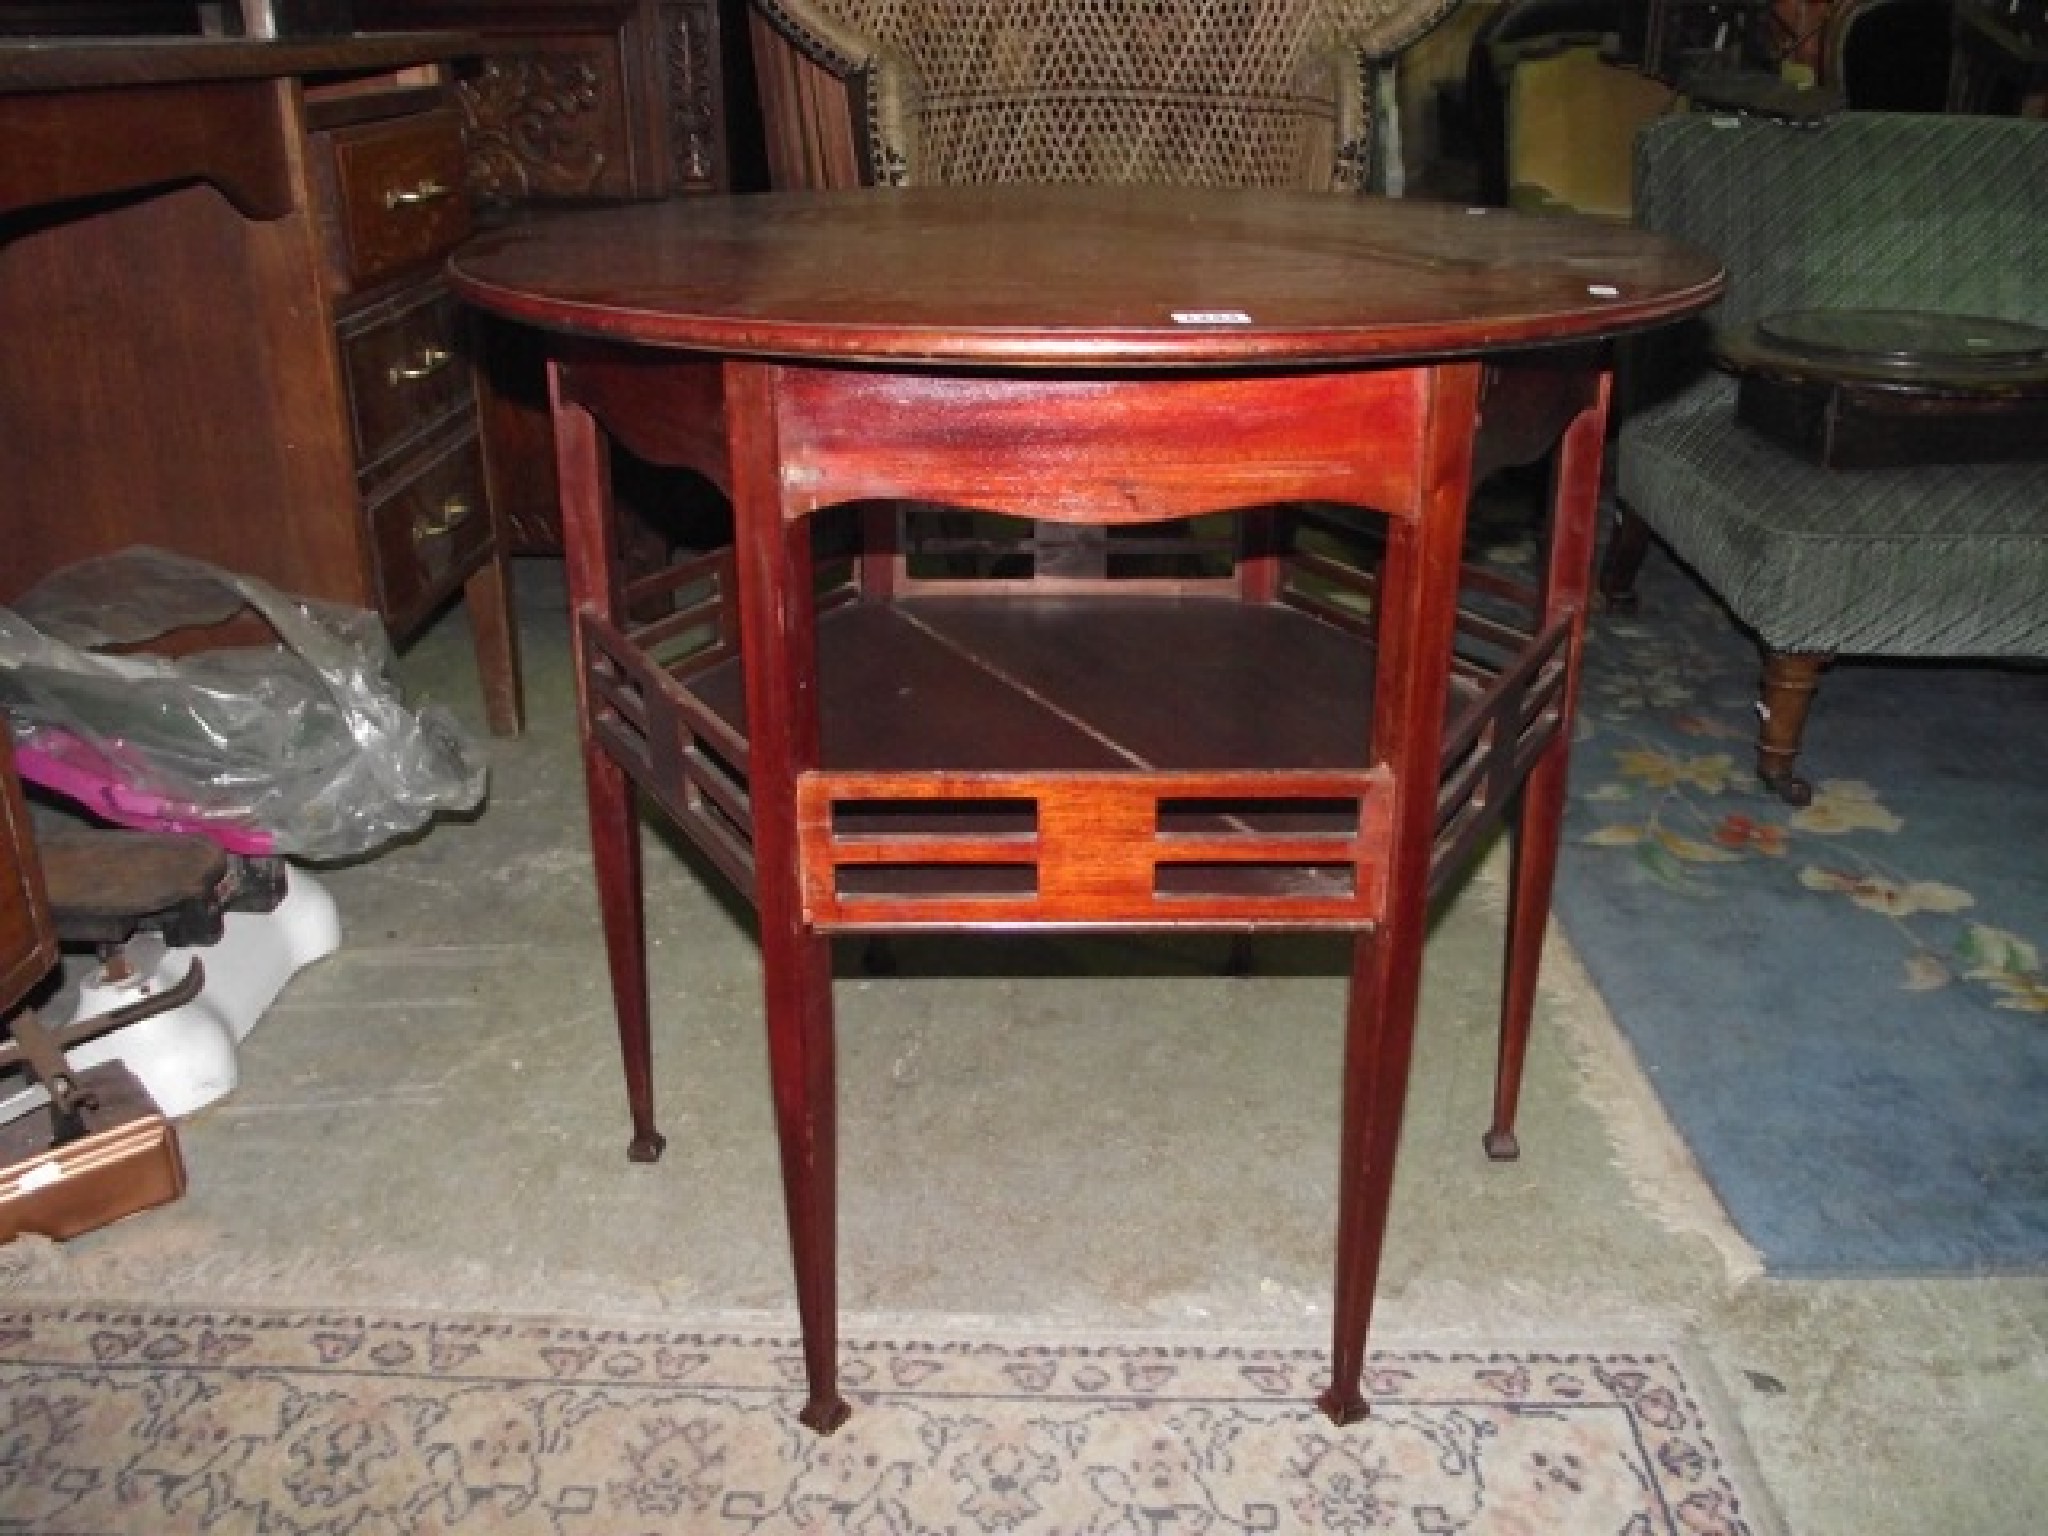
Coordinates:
[1116,721]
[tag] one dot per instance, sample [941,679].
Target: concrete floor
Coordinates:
[433,1116]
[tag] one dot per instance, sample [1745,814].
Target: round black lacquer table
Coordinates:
[1096,564]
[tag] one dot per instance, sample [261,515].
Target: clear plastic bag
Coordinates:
[304,748]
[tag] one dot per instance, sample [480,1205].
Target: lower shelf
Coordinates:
[1083,762]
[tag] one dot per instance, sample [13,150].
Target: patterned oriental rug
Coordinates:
[1844,1008]
[116,1421]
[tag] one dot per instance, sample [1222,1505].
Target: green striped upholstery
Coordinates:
[1866,210]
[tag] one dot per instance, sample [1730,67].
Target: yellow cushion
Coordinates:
[1572,121]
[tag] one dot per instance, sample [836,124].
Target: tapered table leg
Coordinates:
[1378,1035]
[615,850]
[590,556]
[1539,811]
[798,967]
[1414,622]
[1538,818]
[778,624]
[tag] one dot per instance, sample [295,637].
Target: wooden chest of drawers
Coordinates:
[228,335]
[568,103]
[398,195]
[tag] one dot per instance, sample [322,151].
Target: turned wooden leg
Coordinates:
[1789,683]
[615,851]
[1627,546]
[487,596]
[1539,822]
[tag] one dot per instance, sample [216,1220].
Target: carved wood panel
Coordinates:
[568,101]
[578,99]
[690,47]
[548,120]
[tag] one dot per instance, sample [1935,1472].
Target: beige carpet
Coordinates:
[163,1421]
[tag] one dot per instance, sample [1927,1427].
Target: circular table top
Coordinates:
[1081,277]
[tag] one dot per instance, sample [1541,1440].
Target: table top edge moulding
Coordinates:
[1376,288]
[1236,674]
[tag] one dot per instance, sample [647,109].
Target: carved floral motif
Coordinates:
[534,128]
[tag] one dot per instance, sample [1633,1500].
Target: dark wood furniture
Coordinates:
[1301,731]
[582,100]
[567,103]
[1885,388]
[227,331]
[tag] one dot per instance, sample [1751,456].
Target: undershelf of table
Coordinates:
[1098,762]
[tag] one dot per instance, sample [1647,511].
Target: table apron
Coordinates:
[1101,451]
[1109,450]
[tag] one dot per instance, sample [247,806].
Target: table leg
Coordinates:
[615,853]
[1539,810]
[589,557]
[798,969]
[778,626]
[1538,817]
[1415,624]
[1378,1033]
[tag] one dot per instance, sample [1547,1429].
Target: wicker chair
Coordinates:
[1935,562]
[1208,92]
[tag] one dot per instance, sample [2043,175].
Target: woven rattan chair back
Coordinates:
[1275,93]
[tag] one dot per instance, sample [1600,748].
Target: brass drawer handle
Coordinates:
[444,519]
[431,360]
[414,196]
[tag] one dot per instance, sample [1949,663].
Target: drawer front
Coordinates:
[406,374]
[430,531]
[400,191]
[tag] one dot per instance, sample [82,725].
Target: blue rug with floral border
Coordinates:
[1843,1008]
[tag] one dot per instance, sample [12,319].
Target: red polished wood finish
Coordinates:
[1082,278]
[1316,737]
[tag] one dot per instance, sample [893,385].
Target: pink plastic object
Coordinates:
[78,776]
